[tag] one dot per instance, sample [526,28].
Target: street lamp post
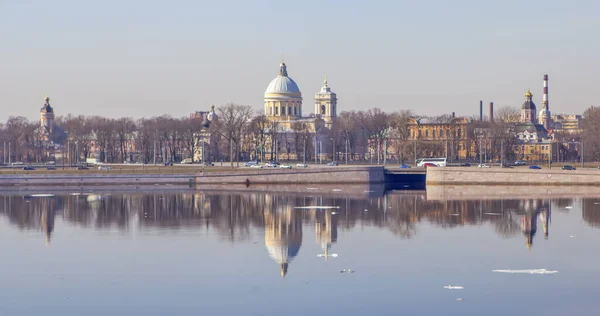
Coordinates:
[332,149]
[304,151]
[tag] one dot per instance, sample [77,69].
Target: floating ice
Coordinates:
[42,195]
[316,207]
[568,207]
[367,191]
[321,255]
[347,271]
[459,299]
[453,214]
[453,287]
[528,271]
[312,188]
[493,214]
[572,236]
[366,210]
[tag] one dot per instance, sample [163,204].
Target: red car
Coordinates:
[429,164]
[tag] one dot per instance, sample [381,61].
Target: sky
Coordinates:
[147,58]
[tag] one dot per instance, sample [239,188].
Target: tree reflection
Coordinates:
[233,217]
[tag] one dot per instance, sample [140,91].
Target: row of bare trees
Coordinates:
[240,134]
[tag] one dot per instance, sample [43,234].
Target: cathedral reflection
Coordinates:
[244,216]
[283,233]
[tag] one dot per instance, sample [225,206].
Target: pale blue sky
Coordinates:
[145,58]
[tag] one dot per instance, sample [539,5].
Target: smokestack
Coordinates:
[453,115]
[545,94]
[492,112]
[481,110]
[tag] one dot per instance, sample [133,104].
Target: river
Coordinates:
[319,252]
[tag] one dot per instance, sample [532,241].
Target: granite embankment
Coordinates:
[516,176]
[346,175]
[245,176]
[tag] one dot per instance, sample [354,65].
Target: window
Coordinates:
[458,133]
[419,133]
[426,133]
[276,110]
[295,111]
[283,110]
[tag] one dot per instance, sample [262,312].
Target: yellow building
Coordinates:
[438,138]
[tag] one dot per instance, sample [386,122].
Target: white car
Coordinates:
[483,165]
[106,168]
[285,167]
[17,163]
[520,163]
[301,165]
[256,166]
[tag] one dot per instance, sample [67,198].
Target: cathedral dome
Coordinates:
[282,83]
[528,104]
[47,108]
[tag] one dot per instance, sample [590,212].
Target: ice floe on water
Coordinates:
[333,255]
[337,190]
[493,214]
[453,214]
[41,195]
[568,207]
[316,207]
[527,271]
[347,271]
[453,287]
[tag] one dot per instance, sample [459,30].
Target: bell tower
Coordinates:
[326,103]
[47,116]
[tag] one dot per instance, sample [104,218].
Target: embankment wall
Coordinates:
[343,175]
[516,176]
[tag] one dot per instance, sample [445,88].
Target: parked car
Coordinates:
[167,163]
[82,168]
[285,167]
[429,164]
[206,164]
[28,168]
[404,166]
[17,163]
[534,167]
[187,161]
[250,163]
[302,165]
[256,166]
[507,166]
[272,164]
[50,168]
[465,164]
[105,168]
[333,163]
[50,162]
[483,165]
[567,167]
[520,163]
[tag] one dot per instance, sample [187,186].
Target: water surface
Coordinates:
[254,253]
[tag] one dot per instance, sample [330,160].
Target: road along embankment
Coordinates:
[514,176]
[325,175]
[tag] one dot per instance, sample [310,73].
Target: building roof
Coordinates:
[47,108]
[528,104]
[282,83]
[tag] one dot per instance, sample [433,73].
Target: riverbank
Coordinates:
[192,176]
[512,176]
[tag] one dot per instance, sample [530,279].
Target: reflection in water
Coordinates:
[283,235]
[233,217]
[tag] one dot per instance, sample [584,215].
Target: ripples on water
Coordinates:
[258,253]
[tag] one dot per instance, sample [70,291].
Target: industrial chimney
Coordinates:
[481,110]
[545,95]
[491,112]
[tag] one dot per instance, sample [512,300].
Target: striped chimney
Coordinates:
[545,93]
[481,110]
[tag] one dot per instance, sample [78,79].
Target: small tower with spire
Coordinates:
[47,116]
[528,110]
[326,103]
